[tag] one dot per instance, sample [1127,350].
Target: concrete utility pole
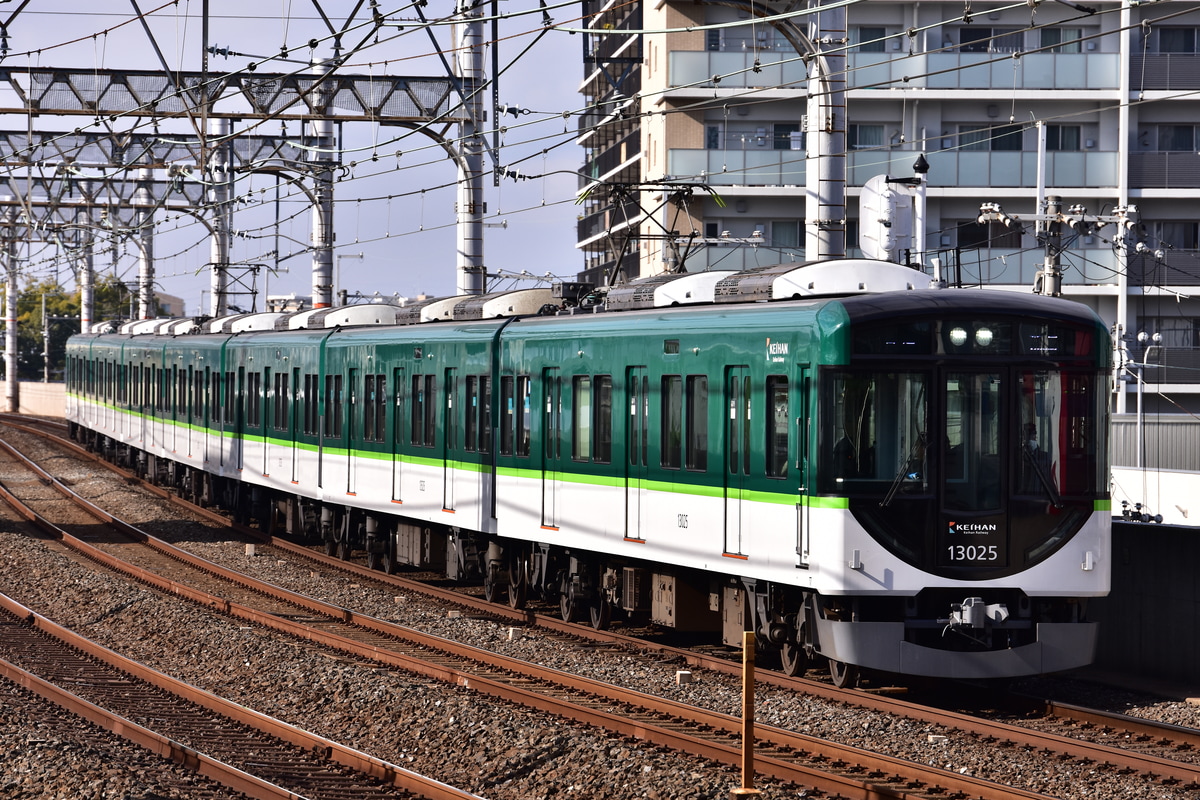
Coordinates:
[469,210]
[322,213]
[222,216]
[144,200]
[85,272]
[12,386]
[825,178]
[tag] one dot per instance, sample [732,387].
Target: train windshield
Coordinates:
[956,467]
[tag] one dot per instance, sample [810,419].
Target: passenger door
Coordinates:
[637,438]
[551,445]
[737,453]
[353,429]
[450,426]
[398,424]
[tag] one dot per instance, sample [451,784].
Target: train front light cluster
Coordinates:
[959,336]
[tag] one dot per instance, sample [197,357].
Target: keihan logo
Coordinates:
[776,349]
[972,527]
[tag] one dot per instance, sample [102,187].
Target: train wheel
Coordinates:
[601,613]
[518,582]
[795,659]
[344,550]
[845,676]
[568,603]
[387,563]
[374,560]
[331,547]
[491,589]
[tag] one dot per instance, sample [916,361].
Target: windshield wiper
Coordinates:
[904,473]
[1042,477]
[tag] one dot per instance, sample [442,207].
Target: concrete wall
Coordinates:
[43,399]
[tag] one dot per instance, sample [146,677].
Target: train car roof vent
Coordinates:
[837,277]
[504,304]
[341,317]
[241,323]
[660,291]
[431,310]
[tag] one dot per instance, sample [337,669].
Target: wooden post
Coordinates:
[747,788]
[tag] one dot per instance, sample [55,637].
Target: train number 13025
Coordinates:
[973,552]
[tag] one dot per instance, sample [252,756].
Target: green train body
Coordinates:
[909,481]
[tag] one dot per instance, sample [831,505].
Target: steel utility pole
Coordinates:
[468,69]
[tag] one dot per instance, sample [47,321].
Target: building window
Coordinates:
[1176,138]
[1062,40]
[999,138]
[787,136]
[990,40]
[712,137]
[1177,235]
[1062,137]
[972,234]
[861,137]
[1177,40]
[713,40]
[870,39]
[785,233]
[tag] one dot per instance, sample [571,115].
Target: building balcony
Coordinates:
[1091,71]
[1172,364]
[1161,170]
[776,69]
[1166,71]
[1017,169]
[1176,268]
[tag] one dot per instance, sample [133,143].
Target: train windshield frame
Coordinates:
[972,447]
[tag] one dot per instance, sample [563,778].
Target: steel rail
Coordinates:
[653,719]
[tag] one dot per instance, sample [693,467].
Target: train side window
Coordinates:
[198,395]
[523,415]
[471,413]
[672,421]
[697,422]
[431,407]
[778,426]
[230,395]
[508,414]
[602,428]
[215,398]
[375,414]
[581,418]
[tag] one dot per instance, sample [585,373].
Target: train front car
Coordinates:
[966,438]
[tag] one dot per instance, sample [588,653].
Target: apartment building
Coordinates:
[697,153]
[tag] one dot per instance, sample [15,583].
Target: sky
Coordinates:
[392,238]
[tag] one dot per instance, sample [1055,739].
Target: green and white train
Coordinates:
[849,461]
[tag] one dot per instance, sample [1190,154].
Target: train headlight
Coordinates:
[958,337]
[983,337]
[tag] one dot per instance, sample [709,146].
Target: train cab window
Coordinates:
[778,426]
[697,422]
[254,399]
[333,406]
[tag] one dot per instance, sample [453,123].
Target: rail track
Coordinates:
[689,729]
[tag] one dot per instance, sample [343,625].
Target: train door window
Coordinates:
[778,426]
[450,431]
[672,422]
[508,414]
[430,410]
[282,401]
[398,384]
[424,410]
[310,404]
[254,399]
[471,422]
[738,434]
[485,414]
[697,422]
[122,384]
[230,396]
[198,395]
[602,427]
[214,401]
[353,404]
[333,407]
[581,418]
[180,384]
[375,410]
[972,441]
[524,385]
